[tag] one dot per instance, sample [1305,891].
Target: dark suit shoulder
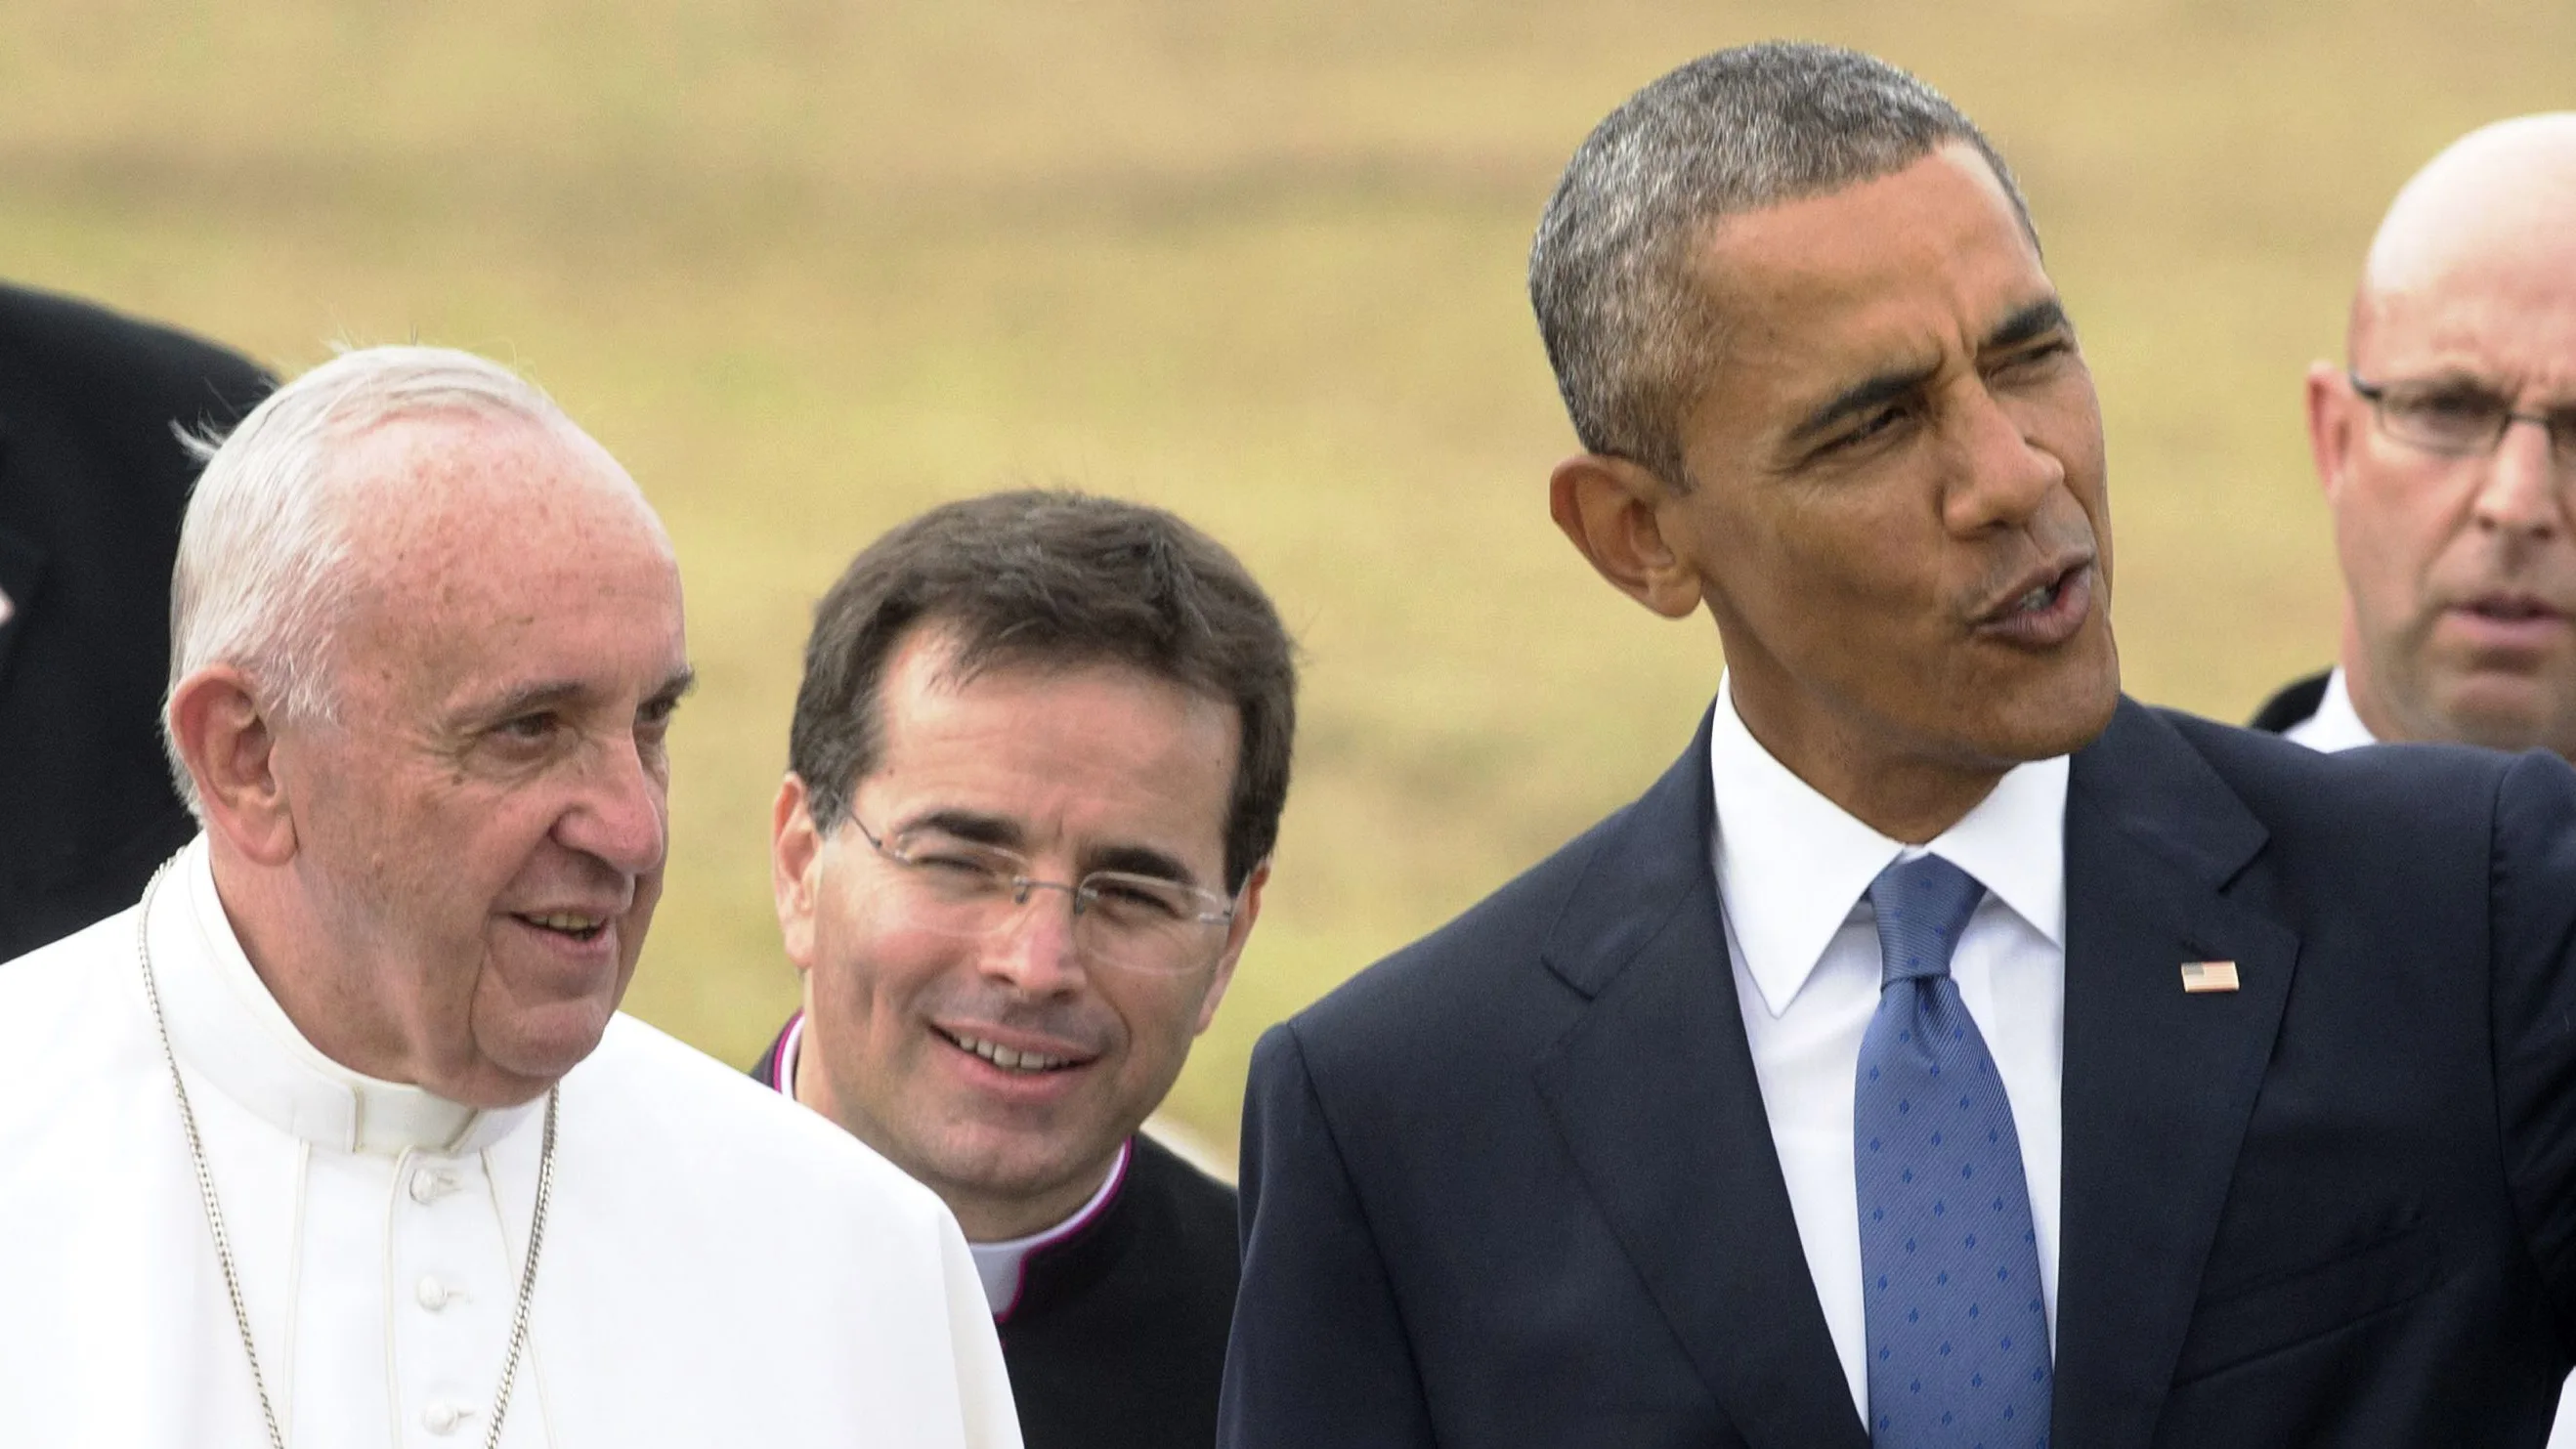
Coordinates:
[2296,703]
[1468,970]
[2383,842]
[2373,787]
[75,355]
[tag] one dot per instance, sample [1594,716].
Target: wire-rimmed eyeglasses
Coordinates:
[969,890]
[2460,418]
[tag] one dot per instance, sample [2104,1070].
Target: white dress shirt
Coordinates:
[2336,725]
[1792,868]
[717,1267]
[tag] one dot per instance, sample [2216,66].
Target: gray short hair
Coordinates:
[262,580]
[1632,341]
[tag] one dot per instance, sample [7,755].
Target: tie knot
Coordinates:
[1923,905]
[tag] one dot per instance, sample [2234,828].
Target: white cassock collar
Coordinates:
[226,1025]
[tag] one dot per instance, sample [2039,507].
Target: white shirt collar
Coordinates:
[782,1072]
[1002,1266]
[2336,725]
[1786,896]
[225,1024]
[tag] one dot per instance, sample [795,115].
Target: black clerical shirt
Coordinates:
[1117,1337]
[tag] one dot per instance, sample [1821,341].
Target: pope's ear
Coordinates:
[795,868]
[228,741]
[1612,511]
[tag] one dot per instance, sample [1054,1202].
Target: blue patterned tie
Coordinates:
[1958,1339]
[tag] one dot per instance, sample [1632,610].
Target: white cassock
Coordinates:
[719,1266]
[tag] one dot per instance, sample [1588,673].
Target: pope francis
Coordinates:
[336,1137]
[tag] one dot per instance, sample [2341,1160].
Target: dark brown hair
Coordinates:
[1052,578]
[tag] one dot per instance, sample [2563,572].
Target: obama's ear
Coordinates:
[1612,510]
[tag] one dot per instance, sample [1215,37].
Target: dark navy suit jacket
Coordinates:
[1515,1186]
[92,485]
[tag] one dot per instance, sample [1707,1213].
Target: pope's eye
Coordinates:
[527,727]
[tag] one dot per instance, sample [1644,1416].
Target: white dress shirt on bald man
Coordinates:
[1792,867]
[2337,724]
[718,1267]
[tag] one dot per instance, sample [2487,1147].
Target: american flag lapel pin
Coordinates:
[2199,976]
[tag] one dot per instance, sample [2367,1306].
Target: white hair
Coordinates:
[262,579]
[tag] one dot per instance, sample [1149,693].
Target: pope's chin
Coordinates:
[520,1051]
[533,1021]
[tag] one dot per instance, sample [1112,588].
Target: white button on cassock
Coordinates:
[442,1418]
[434,1295]
[428,1184]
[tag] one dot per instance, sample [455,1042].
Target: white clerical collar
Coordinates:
[1806,861]
[782,1072]
[998,1265]
[1002,1265]
[2336,725]
[224,1023]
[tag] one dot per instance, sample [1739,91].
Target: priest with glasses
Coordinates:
[1037,765]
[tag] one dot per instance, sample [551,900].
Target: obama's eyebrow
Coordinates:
[2027,324]
[1867,395]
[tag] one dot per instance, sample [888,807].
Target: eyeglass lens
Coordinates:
[2454,418]
[970,890]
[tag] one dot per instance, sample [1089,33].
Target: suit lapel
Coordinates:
[1654,1094]
[22,571]
[2159,1084]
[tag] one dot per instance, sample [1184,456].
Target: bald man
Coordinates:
[2447,450]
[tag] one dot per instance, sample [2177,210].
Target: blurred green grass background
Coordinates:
[809,267]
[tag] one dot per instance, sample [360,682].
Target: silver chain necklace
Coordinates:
[223,1245]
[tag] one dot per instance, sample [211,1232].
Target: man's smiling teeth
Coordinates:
[1007,1059]
[563,922]
[2036,600]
